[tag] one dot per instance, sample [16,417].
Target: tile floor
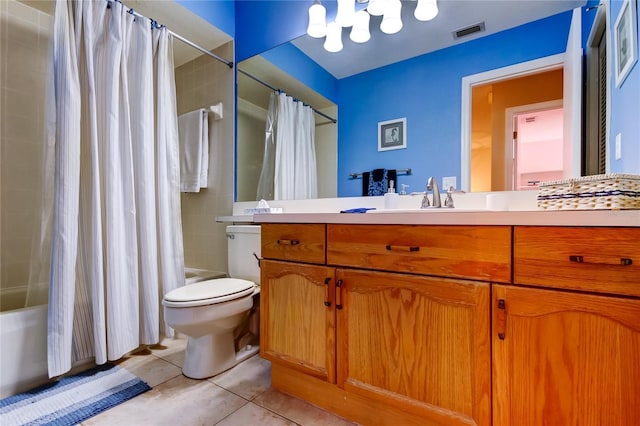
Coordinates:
[242,396]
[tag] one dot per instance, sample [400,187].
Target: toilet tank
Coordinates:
[242,242]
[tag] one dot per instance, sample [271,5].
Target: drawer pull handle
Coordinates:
[624,261]
[327,302]
[288,242]
[339,294]
[402,248]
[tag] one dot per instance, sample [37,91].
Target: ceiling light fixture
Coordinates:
[333,42]
[360,30]
[390,10]
[346,13]
[317,20]
[426,10]
[392,19]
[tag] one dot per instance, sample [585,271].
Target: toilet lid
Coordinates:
[210,291]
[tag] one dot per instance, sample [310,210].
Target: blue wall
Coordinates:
[427,90]
[291,60]
[625,111]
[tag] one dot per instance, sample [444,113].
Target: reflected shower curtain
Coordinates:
[289,163]
[116,233]
[265,183]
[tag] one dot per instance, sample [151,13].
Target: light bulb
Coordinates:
[360,31]
[376,7]
[346,12]
[392,21]
[426,10]
[317,20]
[333,42]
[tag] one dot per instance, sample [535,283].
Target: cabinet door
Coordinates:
[562,358]
[297,324]
[417,343]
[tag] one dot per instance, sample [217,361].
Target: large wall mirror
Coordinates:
[417,74]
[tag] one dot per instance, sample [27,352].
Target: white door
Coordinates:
[536,153]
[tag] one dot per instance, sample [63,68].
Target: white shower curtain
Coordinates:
[116,233]
[265,183]
[289,163]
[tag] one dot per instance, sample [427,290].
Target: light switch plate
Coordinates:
[618,154]
[448,182]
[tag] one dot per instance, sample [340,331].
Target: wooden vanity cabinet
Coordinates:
[381,347]
[561,356]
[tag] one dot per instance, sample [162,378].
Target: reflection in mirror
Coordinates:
[515,154]
[426,89]
[253,103]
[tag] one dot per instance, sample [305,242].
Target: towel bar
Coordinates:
[399,171]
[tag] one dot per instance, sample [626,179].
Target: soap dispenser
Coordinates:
[391,198]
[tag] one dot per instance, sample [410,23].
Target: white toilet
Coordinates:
[209,311]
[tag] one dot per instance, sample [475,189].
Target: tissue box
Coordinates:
[263,210]
[613,191]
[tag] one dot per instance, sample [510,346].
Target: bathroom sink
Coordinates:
[428,210]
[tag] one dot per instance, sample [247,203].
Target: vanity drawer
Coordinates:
[603,260]
[294,242]
[475,252]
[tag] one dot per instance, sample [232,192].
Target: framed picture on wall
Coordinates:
[625,36]
[392,134]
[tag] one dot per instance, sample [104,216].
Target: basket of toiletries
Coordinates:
[614,191]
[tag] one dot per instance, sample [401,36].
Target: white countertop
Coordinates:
[465,217]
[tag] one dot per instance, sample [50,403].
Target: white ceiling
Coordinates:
[417,38]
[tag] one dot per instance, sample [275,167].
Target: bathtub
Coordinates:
[23,337]
[23,353]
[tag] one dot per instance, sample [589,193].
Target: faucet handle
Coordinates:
[448,202]
[403,191]
[425,201]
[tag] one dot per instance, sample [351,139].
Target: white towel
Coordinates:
[194,150]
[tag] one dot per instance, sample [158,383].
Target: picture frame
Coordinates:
[625,40]
[392,134]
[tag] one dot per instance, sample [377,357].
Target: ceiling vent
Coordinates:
[471,29]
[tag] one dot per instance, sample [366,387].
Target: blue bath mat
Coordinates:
[72,399]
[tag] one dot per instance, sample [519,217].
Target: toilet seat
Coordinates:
[208,292]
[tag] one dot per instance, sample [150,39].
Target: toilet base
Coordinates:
[209,355]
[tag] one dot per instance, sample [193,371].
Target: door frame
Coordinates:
[510,114]
[522,69]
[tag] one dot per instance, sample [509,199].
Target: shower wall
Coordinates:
[200,83]
[24,43]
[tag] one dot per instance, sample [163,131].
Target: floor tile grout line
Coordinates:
[233,412]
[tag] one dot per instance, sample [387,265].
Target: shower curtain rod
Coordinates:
[264,83]
[178,36]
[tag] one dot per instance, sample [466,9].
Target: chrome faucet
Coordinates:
[432,185]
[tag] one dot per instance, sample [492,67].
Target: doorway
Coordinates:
[536,151]
[490,148]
